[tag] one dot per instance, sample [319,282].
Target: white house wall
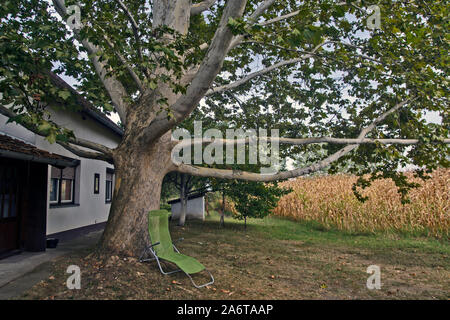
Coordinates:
[14,130]
[90,208]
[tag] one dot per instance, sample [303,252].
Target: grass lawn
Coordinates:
[273,259]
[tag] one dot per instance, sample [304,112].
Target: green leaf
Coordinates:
[44,127]
[152,85]
[64,94]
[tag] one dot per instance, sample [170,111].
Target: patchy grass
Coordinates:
[273,259]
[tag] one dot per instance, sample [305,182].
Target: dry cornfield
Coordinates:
[330,201]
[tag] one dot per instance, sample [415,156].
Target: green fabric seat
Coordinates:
[187,264]
[158,228]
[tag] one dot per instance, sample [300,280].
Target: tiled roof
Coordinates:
[193,196]
[15,146]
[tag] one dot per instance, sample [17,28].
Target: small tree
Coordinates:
[254,199]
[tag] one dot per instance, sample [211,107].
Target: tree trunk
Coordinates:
[183,201]
[138,174]
[207,205]
[141,165]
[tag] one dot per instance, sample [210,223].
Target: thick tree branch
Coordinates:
[263,71]
[250,176]
[280,18]
[255,74]
[260,10]
[290,15]
[207,72]
[86,154]
[303,141]
[130,70]
[252,20]
[114,87]
[134,26]
[198,8]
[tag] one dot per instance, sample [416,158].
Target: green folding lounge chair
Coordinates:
[161,247]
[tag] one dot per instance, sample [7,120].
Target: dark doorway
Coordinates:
[9,202]
[23,206]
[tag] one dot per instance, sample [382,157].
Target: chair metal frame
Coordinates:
[149,249]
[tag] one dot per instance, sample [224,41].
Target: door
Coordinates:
[9,213]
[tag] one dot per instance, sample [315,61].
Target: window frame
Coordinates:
[107,200]
[96,183]
[60,202]
[57,191]
[71,193]
[111,172]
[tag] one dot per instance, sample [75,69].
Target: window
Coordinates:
[66,190]
[62,185]
[54,190]
[109,184]
[96,183]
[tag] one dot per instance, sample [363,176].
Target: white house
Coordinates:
[195,208]
[46,190]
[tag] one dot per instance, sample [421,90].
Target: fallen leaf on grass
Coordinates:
[180,287]
[392,291]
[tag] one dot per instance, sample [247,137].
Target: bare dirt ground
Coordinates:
[261,264]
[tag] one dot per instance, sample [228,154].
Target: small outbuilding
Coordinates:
[195,207]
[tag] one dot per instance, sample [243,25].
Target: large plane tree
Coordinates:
[356,80]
